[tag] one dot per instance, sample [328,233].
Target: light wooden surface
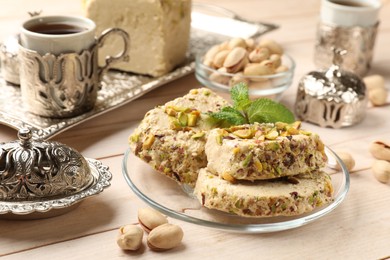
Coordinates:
[358,229]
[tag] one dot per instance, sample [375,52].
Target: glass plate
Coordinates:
[171,199]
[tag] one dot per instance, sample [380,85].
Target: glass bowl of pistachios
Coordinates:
[262,65]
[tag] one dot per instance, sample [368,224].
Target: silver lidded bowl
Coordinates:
[332,98]
[41,179]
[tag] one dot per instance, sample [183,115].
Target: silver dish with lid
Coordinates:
[40,179]
[332,98]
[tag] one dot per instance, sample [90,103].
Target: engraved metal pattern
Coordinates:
[117,89]
[357,41]
[333,98]
[101,180]
[64,85]
[31,170]
[59,86]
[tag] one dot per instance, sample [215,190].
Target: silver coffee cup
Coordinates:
[59,72]
[349,25]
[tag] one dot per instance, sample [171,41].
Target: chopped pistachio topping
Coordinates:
[271,135]
[257,164]
[236,150]
[149,140]
[192,119]
[134,138]
[198,135]
[244,133]
[183,118]
[170,111]
[247,160]
[228,177]
[219,139]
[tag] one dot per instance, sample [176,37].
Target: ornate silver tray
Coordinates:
[54,207]
[119,88]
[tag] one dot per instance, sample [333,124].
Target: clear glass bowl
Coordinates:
[171,199]
[270,86]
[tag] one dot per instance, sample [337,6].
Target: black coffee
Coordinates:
[350,3]
[56,28]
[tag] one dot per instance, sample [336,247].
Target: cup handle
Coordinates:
[122,56]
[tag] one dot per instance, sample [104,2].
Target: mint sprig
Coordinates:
[240,96]
[245,111]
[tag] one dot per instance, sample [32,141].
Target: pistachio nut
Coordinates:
[250,44]
[193,118]
[259,54]
[198,135]
[220,78]
[237,42]
[149,140]
[182,118]
[165,237]
[381,170]
[130,237]
[238,78]
[273,46]
[276,60]
[219,58]
[238,67]
[377,96]
[228,177]
[257,69]
[380,150]
[244,133]
[257,164]
[235,57]
[149,218]
[212,52]
[247,160]
[208,63]
[281,68]
[374,81]
[224,46]
[347,160]
[272,135]
[263,84]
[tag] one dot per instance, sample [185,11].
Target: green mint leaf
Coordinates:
[229,116]
[240,96]
[264,110]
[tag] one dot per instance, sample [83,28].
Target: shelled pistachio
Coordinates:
[130,237]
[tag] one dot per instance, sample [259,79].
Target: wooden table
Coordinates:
[358,229]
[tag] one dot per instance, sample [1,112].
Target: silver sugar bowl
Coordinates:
[41,179]
[332,98]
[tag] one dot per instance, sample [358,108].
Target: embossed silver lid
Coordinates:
[40,179]
[332,98]
[31,169]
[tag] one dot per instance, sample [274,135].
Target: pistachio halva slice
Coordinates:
[171,138]
[265,198]
[263,151]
